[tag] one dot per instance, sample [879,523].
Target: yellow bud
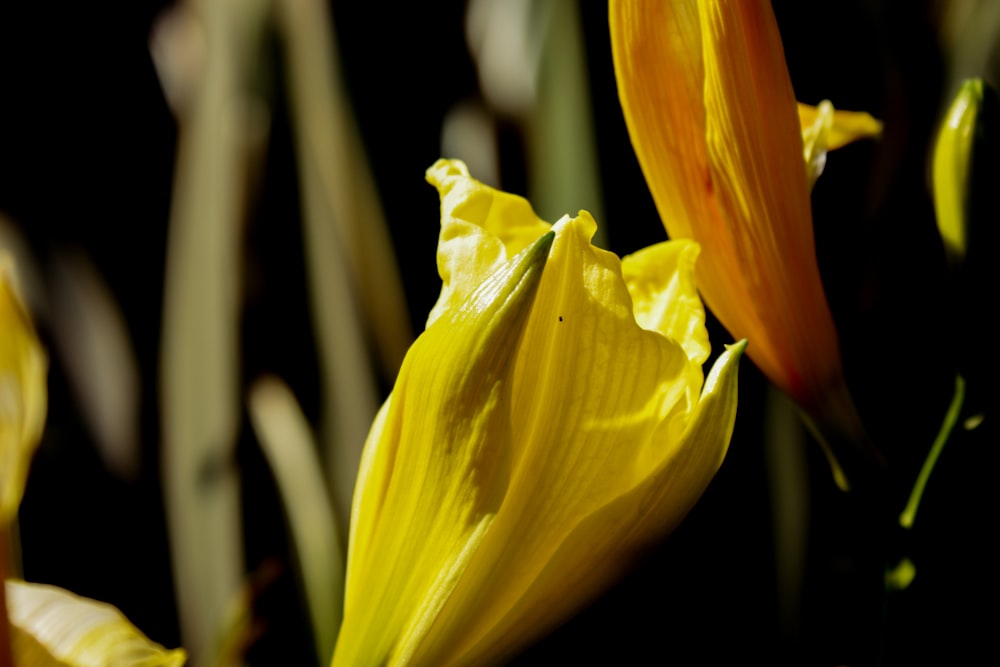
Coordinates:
[962,187]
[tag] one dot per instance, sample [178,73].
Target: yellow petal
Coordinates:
[600,412]
[51,627]
[435,468]
[23,365]
[489,510]
[660,280]
[845,127]
[826,129]
[476,235]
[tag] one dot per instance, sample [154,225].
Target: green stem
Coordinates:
[909,513]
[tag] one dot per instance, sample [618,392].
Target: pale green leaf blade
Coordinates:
[287,443]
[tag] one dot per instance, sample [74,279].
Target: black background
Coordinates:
[86,162]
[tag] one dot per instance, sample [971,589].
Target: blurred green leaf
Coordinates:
[288,445]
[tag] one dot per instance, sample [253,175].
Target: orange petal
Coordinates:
[657,57]
[709,106]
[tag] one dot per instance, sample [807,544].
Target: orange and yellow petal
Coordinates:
[709,106]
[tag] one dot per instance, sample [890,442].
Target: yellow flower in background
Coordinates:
[550,422]
[51,627]
[48,626]
[23,366]
[721,140]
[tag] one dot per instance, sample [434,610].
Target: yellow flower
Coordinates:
[549,422]
[48,627]
[23,367]
[721,140]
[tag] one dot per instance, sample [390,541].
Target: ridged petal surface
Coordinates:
[548,425]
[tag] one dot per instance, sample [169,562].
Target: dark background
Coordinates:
[86,162]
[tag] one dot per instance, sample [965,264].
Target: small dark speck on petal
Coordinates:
[560,318]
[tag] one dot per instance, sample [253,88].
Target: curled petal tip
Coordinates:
[826,129]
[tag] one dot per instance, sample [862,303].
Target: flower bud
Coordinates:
[965,169]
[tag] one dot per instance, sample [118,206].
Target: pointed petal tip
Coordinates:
[542,246]
[515,284]
[527,269]
[726,367]
[738,347]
